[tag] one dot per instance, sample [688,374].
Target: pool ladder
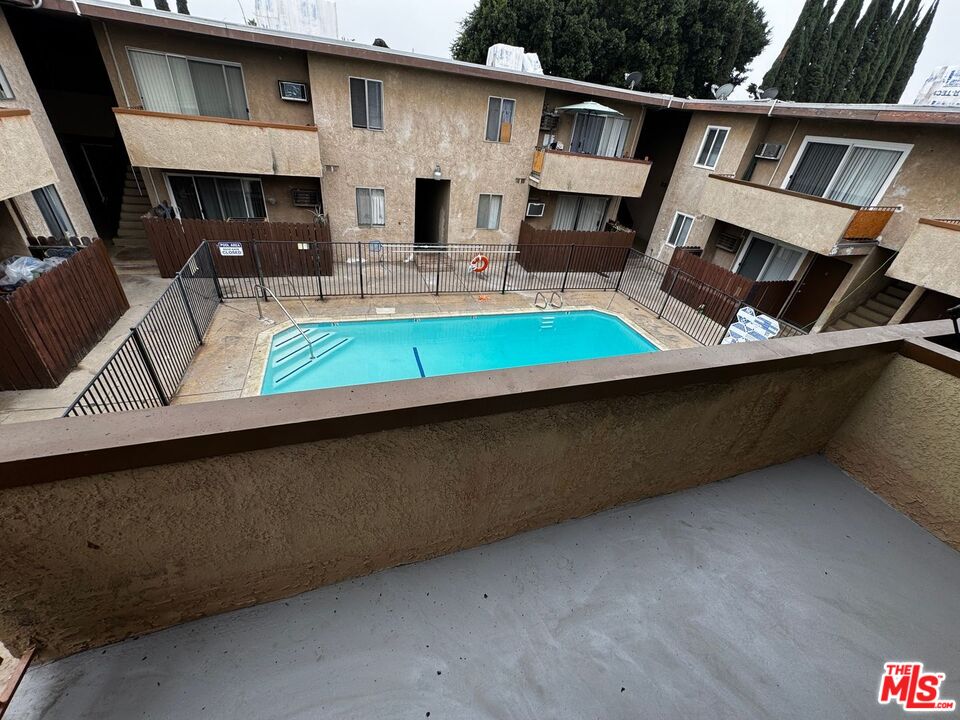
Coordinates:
[556,300]
[268,291]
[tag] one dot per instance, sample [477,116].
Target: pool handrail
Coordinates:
[268,291]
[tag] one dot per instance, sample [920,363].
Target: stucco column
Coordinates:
[908,304]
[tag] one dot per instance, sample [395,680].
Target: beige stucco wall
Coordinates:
[916,471]
[177,143]
[429,120]
[801,221]
[688,182]
[125,552]
[589,175]
[931,258]
[26,97]
[262,67]
[926,185]
[24,165]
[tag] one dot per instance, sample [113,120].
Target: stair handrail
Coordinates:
[272,294]
[536,301]
[557,295]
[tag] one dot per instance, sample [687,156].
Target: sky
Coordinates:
[429,27]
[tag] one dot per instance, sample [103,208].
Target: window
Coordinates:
[850,171]
[680,230]
[768,259]
[189,86]
[488,211]
[500,119]
[711,147]
[371,210]
[599,135]
[580,212]
[366,103]
[6,92]
[53,211]
[209,197]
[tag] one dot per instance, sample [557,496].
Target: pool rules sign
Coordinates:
[230,249]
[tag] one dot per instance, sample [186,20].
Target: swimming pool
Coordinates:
[369,351]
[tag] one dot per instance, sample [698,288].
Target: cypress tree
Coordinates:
[819,58]
[877,32]
[852,46]
[182,7]
[912,54]
[162,5]
[784,69]
[136,3]
[897,50]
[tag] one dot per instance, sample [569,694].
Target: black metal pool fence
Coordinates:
[147,368]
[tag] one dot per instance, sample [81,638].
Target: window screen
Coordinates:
[488,211]
[712,146]
[680,230]
[371,210]
[366,103]
[500,119]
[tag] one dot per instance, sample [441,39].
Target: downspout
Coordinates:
[116,65]
[785,148]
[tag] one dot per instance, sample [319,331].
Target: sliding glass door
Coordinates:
[768,259]
[580,212]
[599,135]
[206,197]
[854,172]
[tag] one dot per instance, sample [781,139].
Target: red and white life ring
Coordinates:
[479,263]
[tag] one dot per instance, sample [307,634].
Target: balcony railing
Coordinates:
[565,171]
[24,164]
[818,224]
[930,257]
[212,144]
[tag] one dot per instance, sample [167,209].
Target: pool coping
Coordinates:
[257,369]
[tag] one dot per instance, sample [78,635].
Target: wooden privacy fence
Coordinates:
[173,242]
[718,291]
[572,250]
[49,324]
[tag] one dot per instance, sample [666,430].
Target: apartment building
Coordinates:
[38,194]
[847,203]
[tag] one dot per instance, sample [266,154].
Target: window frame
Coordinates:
[167,56]
[499,211]
[500,124]
[220,176]
[366,98]
[5,88]
[676,216]
[703,144]
[356,190]
[626,135]
[738,261]
[904,148]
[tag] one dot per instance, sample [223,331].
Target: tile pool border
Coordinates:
[257,369]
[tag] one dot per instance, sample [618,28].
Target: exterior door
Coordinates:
[817,287]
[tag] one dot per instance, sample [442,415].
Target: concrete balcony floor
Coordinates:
[779,593]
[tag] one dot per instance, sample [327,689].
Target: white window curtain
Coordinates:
[183,83]
[598,135]
[371,207]
[592,210]
[613,137]
[579,212]
[864,175]
[488,211]
[565,216]
[782,264]
[375,105]
[157,89]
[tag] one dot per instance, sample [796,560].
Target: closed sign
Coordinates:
[233,249]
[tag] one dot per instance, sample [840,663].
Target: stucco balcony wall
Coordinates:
[931,257]
[24,164]
[205,144]
[811,223]
[593,175]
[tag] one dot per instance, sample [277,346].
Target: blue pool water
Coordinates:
[369,351]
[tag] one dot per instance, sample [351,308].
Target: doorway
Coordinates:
[764,258]
[819,284]
[431,209]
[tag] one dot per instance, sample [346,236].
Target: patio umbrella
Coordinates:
[590,107]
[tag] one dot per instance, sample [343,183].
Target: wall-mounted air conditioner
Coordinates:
[769,151]
[535,209]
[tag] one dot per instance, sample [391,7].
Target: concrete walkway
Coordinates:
[778,594]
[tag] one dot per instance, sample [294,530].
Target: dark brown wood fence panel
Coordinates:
[717,291]
[172,242]
[51,323]
[553,251]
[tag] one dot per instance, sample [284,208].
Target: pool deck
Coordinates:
[776,594]
[230,362]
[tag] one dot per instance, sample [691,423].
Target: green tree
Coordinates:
[908,14]
[680,46]
[841,31]
[905,71]
[136,3]
[820,55]
[875,38]
[786,69]
[182,7]
[162,5]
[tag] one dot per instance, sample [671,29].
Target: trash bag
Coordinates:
[61,252]
[21,267]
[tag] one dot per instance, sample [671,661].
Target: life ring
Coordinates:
[479,263]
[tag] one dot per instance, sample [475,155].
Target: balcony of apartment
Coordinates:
[930,257]
[813,223]
[529,542]
[24,164]
[217,144]
[572,172]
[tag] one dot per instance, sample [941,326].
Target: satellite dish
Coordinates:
[769,93]
[723,92]
[633,79]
